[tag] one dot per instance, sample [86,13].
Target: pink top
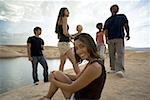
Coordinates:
[100,37]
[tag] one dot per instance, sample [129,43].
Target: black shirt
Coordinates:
[115,25]
[94,89]
[61,36]
[36,48]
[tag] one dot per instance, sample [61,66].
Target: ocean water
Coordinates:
[17,72]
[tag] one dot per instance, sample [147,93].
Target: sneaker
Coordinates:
[120,74]
[36,83]
[111,71]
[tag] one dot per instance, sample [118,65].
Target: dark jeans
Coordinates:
[43,62]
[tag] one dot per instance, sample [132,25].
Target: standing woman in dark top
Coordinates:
[89,83]
[63,44]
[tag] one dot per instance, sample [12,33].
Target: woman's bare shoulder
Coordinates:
[95,67]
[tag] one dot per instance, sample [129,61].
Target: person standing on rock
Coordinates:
[35,45]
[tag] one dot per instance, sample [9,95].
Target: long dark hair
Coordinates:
[61,14]
[89,43]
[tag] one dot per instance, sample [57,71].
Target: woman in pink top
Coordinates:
[100,36]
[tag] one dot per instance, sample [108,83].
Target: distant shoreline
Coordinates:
[13,51]
[50,52]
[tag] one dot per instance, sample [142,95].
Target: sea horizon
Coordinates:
[126,47]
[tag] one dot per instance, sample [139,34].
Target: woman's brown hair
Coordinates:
[89,43]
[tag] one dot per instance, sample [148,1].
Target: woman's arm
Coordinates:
[64,26]
[104,37]
[92,72]
[72,77]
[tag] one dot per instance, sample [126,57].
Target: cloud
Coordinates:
[28,13]
[20,10]
[10,11]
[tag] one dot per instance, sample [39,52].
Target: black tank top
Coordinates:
[94,89]
[61,36]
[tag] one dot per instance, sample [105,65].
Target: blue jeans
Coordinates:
[43,62]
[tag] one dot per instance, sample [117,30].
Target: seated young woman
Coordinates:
[89,83]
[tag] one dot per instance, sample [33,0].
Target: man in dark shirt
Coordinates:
[35,45]
[114,31]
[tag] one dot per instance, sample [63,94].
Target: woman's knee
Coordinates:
[59,75]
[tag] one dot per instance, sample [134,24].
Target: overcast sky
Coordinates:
[21,16]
